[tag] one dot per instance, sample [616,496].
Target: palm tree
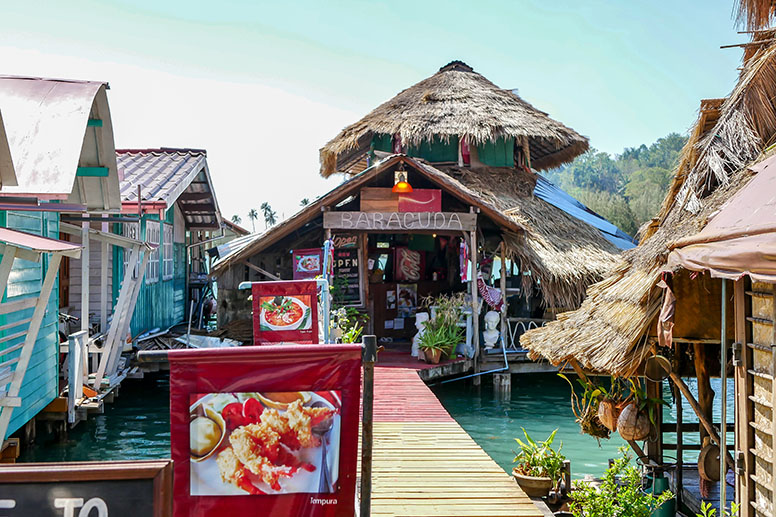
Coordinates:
[253,215]
[304,202]
[236,219]
[270,216]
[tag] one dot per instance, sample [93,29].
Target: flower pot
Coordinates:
[432,355]
[633,424]
[533,486]
[609,412]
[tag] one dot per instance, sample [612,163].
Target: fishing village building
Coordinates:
[441,176]
[67,194]
[671,297]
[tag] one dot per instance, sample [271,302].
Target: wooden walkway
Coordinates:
[424,462]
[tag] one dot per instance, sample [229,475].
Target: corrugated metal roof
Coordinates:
[45,122]
[167,175]
[549,192]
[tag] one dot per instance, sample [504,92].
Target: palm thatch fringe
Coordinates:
[755,14]
[457,102]
[606,333]
[564,255]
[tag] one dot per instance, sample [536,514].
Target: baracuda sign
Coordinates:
[398,221]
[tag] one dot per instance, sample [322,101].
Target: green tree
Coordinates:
[253,215]
[236,219]
[270,216]
[645,191]
[304,202]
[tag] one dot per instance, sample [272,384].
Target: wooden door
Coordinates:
[64,276]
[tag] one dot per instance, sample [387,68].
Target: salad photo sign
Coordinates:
[308,263]
[285,311]
[269,430]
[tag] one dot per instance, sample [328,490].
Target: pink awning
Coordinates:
[741,238]
[37,243]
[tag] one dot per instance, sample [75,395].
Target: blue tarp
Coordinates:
[550,193]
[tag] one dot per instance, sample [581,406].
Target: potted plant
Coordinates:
[539,467]
[439,337]
[612,403]
[637,419]
[586,407]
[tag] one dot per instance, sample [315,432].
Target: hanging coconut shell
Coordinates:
[608,413]
[633,424]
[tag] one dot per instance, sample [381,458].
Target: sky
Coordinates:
[262,85]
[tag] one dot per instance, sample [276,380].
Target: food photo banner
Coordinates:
[285,312]
[269,430]
[308,263]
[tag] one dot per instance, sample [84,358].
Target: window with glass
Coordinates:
[168,260]
[152,237]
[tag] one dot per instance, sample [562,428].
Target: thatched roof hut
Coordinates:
[610,332]
[454,103]
[756,14]
[562,252]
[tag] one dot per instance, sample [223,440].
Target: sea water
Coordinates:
[137,424]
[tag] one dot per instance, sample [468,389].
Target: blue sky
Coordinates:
[263,85]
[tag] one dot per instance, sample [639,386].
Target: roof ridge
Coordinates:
[162,150]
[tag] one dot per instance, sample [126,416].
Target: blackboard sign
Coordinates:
[87,489]
[347,277]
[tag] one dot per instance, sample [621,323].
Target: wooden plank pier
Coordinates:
[425,464]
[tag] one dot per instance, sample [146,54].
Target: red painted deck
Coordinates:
[424,462]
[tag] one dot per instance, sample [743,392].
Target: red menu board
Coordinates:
[285,311]
[259,431]
[307,263]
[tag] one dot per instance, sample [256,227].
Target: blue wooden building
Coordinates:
[179,211]
[56,157]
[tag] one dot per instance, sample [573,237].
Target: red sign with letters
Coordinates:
[259,431]
[285,311]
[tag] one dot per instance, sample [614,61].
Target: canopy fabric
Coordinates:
[741,238]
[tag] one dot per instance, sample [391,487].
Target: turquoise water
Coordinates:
[540,403]
[135,426]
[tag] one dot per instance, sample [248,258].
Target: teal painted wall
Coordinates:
[498,153]
[40,385]
[437,150]
[160,304]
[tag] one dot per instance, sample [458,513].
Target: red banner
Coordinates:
[265,430]
[285,311]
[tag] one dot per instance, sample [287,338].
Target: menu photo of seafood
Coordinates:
[285,312]
[264,443]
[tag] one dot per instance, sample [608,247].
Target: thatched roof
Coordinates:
[562,252]
[456,102]
[755,14]
[607,333]
[565,255]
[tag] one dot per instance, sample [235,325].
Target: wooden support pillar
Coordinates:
[705,393]
[655,447]
[679,421]
[85,276]
[745,487]
[502,385]
[104,301]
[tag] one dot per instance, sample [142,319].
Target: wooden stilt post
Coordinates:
[369,359]
[104,302]
[85,276]
[705,393]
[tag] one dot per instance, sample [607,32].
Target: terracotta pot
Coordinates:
[608,413]
[533,486]
[432,355]
[633,424]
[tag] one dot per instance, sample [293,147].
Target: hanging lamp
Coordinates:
[401,186]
